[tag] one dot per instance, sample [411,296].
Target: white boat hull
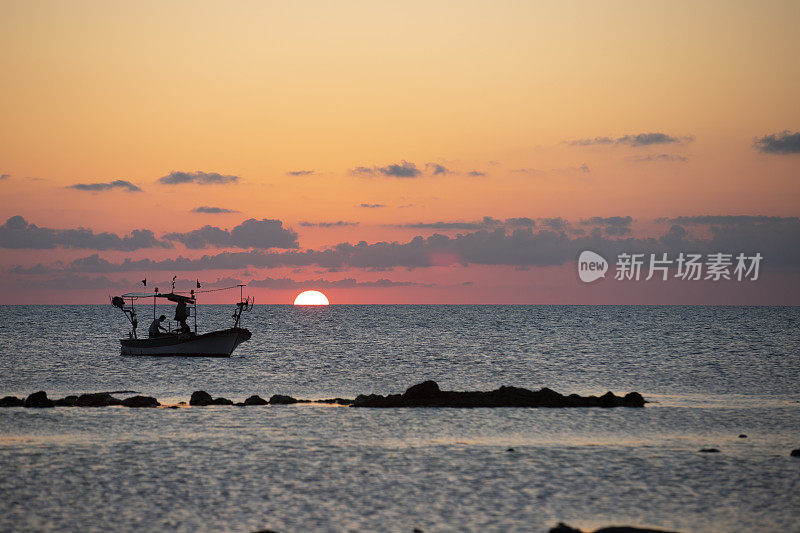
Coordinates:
[212,344]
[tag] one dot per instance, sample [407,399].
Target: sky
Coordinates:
[414,152]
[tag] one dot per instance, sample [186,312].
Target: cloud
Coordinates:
[202,178]
[638,139]
[475,173]
[116,184]
[373,206]
[613,226]
[337,224]
[19,234]
[487,222]
[782,143]
[212,210]
[776,238]
[4,176]
[347,283]
[436,169]
[404,169]
[662,157]
[252,233]
[300,173]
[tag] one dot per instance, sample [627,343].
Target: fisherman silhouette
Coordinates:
[181,314]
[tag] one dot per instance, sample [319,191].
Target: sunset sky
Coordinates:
[473,148]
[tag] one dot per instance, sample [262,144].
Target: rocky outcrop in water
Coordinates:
[428,394]
[140,401]
[11,401]
[202,398]
[97,399]
[280,399]
[564,528]
[795,453]
[39,399]
[255,400]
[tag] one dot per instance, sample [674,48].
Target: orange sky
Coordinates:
[99,91]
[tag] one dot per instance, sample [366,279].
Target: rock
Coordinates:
[633,399]
[68,401]
[201,397]
[709,450]
[255,400]
[511,450]
[140,401]
[173,406]
[428,394]
[98,399]
[426,389]
[39,399]
[795,453]
[742,436]
[11,401]
[221,401]
[280,399]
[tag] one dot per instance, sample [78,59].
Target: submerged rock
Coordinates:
[200,397]
[428,394]
[795,453]
[39,399]
[709,450]
[140,401]
[11,401]
[742,436]
[255,400]
[564,528]
[98,399]
[280,399]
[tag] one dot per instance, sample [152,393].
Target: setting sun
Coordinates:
[311,298]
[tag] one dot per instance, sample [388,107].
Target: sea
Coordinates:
[726,378]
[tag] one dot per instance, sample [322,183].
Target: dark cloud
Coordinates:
[475,173]
[777,239]
[116,184]
[212,210]
[18,233]
[436,169]
[4,176]
[300,173]
[520,221]
[347,283]
[404,169]
[337,224]
[782,143]
[662,157]
[638,139]
[252,233]
[372,206]
[202,178]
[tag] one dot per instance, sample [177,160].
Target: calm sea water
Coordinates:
[712,372]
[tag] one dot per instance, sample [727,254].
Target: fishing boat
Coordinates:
[183,341]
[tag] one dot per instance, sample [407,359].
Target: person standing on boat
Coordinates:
[181,314]
[155,328]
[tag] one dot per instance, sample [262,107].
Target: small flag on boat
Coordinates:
[144,282]
[198,283]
